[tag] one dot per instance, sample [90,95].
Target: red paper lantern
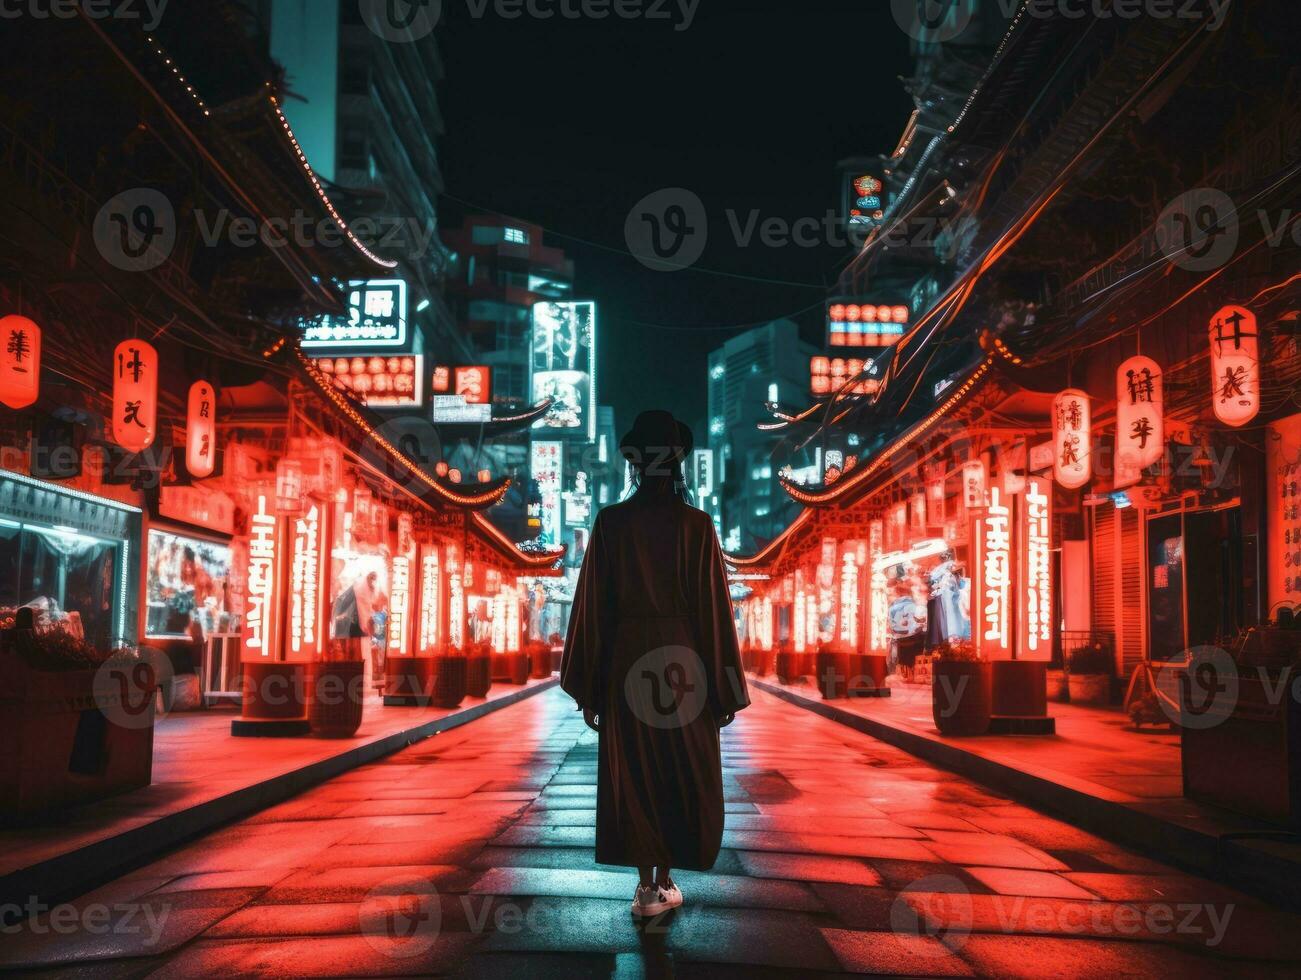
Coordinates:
[1072,435]
[135,395]
[484,476]
[1235,366]
[1140,427]
[201,430]
[20,361]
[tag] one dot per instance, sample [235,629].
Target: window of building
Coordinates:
[515,236]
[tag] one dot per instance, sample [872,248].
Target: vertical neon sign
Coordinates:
[259,620]
[993,539]
[1035,624]
[305,581]
[431,599]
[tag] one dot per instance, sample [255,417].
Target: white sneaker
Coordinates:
[654,899]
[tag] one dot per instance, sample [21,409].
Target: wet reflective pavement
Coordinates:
[471,854]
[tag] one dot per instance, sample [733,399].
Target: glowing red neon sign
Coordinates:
[20,361]
[1235,365]
[135,395]
[1034,533]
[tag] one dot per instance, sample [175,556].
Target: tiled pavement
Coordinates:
[470,854]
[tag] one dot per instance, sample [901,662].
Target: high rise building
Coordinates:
[499,269]
[765,365]
[365,112]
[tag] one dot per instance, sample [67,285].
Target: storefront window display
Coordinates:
[69,555]
[926,591]
[188,582]
[359,583]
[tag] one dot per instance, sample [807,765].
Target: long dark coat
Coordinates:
[652,650]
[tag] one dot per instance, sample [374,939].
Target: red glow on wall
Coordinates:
[135,395]
[201,430]
[1235,365]
[20,361]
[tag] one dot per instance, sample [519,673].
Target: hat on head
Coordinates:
[656,436]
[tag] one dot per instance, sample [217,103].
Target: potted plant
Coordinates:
[1089,679]
[1058,689]
[449,678]
[831,668]
[79,721]
[513,668]
[867,675]
[539,660]
[960,689]
[336,690]
[788,665]
[478,670]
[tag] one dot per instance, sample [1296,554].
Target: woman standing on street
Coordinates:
[653,662]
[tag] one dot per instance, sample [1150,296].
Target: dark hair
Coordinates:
[680,489]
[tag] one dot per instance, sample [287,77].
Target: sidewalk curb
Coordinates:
[77,872]
[1248,865]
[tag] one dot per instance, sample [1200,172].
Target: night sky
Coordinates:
[568,123]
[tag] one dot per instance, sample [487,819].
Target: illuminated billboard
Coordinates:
[378,380]
[562,366]
[376,317]
[828,375]
[858,323]
[548,467]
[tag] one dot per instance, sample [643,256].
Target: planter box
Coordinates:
[423,681]
[832,673]
[335,697]
[478,675]
[960,694]
[70,741]
[788,666]
[1090,689]
[764,662]
[867,675]
[511,668]
[540,663]
[1245,755]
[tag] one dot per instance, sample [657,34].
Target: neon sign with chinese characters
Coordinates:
[992,601]
[260,589]
[378,380]
[1035,624]
[377,317]
[305,580]
[857,324]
